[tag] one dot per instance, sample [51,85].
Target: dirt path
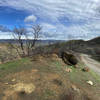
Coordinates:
[92,64]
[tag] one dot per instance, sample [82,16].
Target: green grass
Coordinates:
[81,77]
[91,73]
[6,65]
[58,65]
[77,75]
[13,66]
[95,75]
[48,93]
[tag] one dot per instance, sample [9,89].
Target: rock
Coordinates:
[75,88]
[54,55]
[73,60]
[0,62]
[68,70]
[90,82]
[86,69]
[34,70]
[13,80]
[76,66]
[6,83]
[69,58]
[23,87]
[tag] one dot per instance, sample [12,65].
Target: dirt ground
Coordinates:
[46,79]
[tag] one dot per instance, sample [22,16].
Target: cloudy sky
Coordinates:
[60,19]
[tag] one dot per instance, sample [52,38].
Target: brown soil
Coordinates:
[39,84]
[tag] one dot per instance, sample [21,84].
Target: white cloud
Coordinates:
[62,32]
[48,27]
[78,8]
[5,35]
[30,18]
[76,11]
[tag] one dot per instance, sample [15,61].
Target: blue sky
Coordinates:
[60,19]
[11,17]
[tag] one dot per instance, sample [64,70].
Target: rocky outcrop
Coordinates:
[69,58]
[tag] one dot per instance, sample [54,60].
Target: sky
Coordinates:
[60,19]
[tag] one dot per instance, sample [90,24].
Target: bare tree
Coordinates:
[36,33]
[25,41]
[18,34]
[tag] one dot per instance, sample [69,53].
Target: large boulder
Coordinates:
[69,58]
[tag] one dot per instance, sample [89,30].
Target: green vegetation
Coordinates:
[48,93]
[95,75]
[48,68]
[77,75]
[58,65]
[13,66]
[80,77]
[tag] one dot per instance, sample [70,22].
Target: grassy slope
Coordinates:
[53,66]
[13,66]
[56,66]
[25,63]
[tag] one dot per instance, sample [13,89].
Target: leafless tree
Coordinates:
[25,41]
[35,34]
[18,35]
[36,31]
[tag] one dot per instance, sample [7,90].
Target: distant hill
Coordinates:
[90,47]
[95,40]
[92,41]
[43,42]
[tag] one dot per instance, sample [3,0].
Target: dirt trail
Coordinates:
[92,64]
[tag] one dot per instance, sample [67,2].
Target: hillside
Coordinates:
[46,78]
[91,47]
[96,41]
